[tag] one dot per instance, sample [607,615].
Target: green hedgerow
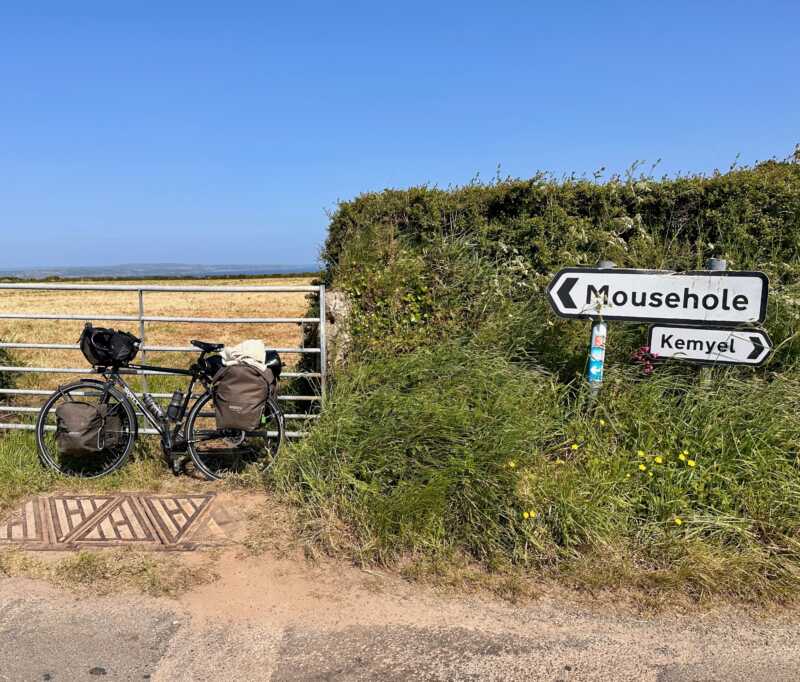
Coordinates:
[461,424]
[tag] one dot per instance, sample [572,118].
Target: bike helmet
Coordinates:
[104,347]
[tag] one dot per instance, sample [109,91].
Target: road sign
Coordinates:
[728,346]
[708,296]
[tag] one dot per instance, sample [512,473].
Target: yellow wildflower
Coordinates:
[659,459]
[511,464]
[650,473]
[602,422]
[691,462]
[525,515]
[640,453]
[532,514]
[682,457]
[678,521]
[574,446]
[642,467]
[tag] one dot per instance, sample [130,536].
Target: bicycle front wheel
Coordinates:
[119,433]
[220,452]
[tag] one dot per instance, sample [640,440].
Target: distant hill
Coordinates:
[148,270]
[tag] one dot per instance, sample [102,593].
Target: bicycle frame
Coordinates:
[214,449]
[168,437]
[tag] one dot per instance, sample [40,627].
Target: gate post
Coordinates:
[323,344]
[715,265]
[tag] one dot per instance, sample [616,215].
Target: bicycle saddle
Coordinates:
[207,347]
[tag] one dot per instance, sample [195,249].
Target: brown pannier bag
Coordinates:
[82,428]
[240,392]
[112,431]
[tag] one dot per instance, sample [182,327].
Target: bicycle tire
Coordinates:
[118,457]
[204,461]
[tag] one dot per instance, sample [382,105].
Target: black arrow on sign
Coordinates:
[563,292]
[758,348]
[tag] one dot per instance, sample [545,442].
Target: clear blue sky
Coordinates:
[221,132]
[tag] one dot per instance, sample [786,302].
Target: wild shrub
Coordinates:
[5,378]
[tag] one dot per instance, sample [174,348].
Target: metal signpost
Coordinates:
[597,354]
[597,345]
[702,312]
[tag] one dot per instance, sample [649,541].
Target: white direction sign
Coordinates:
[729,346]
[718,297]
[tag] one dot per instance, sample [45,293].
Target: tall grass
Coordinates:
[415,451]
[455,450]
[21,473]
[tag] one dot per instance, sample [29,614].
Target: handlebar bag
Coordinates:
[240,393]
[82,428]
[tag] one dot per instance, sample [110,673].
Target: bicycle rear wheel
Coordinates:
[120,437]
[220,452]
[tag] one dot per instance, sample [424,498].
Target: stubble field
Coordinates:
[92,305]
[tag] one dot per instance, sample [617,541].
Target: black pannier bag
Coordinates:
[83,428]
[240,392]
[104,347]
[212,364]
[273,362]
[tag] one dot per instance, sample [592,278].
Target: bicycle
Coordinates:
[214,452]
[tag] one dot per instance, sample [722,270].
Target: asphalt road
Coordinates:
[302,627]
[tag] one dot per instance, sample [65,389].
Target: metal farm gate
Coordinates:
[317,379]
